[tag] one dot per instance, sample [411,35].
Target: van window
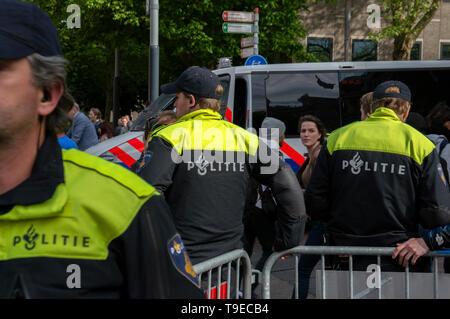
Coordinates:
[428,87]
[240,102]
[162,103]
[258,107]
[292,95]
[225,82]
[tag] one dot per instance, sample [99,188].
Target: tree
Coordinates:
[105,25]
[406,19]
[190,34]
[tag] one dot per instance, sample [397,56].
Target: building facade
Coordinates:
[326,33]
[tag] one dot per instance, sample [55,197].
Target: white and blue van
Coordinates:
[331,91]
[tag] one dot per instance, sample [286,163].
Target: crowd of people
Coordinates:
[203,186]
[81,131]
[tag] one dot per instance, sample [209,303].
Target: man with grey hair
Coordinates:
[273,130]
[71,224]
[261,209]
[82,131]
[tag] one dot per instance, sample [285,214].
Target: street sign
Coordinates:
[247,42]
[246,52]
[255,60]
[237,27]
[237,16]
[249,45]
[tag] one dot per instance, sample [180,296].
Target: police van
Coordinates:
[331,91]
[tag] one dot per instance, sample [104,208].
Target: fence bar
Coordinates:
[351,276]
[209,284]
[379,265]
[222,260]
[324,279]
[219,281]
[333,250]
[435,275]
[238,273]
[407,280]
[229,280]
[296,278]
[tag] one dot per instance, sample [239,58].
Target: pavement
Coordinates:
[282,278]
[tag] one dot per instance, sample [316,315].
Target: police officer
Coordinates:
[71,225]
[377,179]
[203,166]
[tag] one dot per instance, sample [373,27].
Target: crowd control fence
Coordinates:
[438,278]
[225,265]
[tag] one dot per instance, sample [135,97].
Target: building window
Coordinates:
[445,51]
[321,48]
[416,51]
[364,50]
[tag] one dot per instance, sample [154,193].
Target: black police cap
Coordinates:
[380,91]
[195,80]
[25,29]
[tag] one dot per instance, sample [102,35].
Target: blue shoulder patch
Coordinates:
[441,174]
[180,259]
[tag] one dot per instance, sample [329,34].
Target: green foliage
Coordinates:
[105,25]
[406,19]
[190,33]
[405,16]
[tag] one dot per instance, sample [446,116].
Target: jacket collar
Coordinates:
[46,175]
[383,113]
[202,114]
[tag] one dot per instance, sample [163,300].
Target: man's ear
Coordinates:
[404,116]
[49,98]
[192,101]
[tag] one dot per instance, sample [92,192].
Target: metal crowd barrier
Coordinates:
[226,260]
[343,250]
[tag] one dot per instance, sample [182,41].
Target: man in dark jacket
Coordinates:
[261,209]
[203,164]
[377,179]
[72,225]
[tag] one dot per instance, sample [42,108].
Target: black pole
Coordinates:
[154,51]
[116,88]
[347,41]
